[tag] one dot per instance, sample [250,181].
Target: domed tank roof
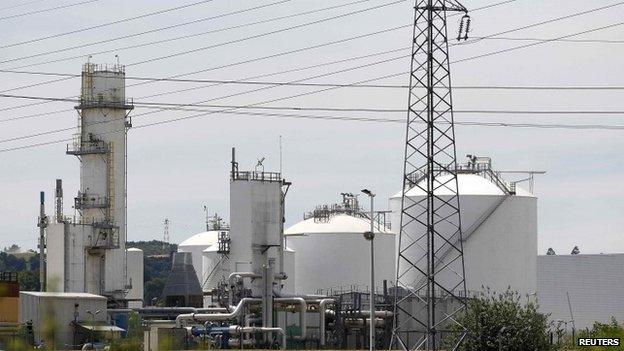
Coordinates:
[336,224]
[202,239]
[469,184]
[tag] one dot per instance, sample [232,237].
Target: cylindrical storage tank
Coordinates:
[196,245]
[135,277]
[290,284]
[216,268]
[333,255]
[499,233]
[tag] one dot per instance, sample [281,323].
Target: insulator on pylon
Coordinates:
[467,29]
[464,28]
[461,29]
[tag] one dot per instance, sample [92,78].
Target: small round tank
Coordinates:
[332,253]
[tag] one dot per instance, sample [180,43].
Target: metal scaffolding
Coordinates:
[430,295]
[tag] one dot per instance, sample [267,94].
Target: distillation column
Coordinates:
[101,201]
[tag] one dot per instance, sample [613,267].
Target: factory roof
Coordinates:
[202,239]
[469,184]
[63,295]
[336,224]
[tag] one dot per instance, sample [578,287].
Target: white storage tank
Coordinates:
[135,268]
[196,245]
[499,229]
[332,253]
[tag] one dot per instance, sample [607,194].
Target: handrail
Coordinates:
[257,176]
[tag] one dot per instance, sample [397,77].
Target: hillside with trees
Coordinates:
[157,264]
[157,258]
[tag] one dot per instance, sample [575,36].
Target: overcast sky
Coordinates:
[175,169]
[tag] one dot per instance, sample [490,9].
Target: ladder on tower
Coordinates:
[110,170]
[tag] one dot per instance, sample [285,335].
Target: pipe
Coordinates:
[241,275]
[366,314]
[203,317]
[235,275]
[238,330]
[303,322]
[322,307]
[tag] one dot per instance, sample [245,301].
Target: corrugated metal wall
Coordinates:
[595,284]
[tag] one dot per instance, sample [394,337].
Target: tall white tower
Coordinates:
[92,247]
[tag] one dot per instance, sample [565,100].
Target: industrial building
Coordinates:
[578,290]
[88,254]
[70,316]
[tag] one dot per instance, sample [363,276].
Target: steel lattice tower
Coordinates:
[430,269]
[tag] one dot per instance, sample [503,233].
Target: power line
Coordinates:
[169,106]
[590,41]
[255,90]
[218,98]
[262,57]
[341,85]
[235,41]
[362,119]
[462,60]
[47,9]
[492,35]
[556,19]
[180,107]
[45,53]
[179,37]
[540,42]
[233,64]
[378,78]
[397,74]
[128,19]
[297,69]
[322,90]
[256,36]
[21,5]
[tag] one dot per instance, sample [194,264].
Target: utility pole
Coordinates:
[42,223]
[430,262]
[370,236]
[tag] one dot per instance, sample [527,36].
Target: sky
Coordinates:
[175,169]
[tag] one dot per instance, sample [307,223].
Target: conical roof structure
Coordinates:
[182,288]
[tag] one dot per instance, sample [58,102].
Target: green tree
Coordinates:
[28,280]
[503,321]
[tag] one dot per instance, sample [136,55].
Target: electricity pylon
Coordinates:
[431,287]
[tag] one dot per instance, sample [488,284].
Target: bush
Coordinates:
[602,330]
[503,321]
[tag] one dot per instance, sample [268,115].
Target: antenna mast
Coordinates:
[431,287]
[166,234]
